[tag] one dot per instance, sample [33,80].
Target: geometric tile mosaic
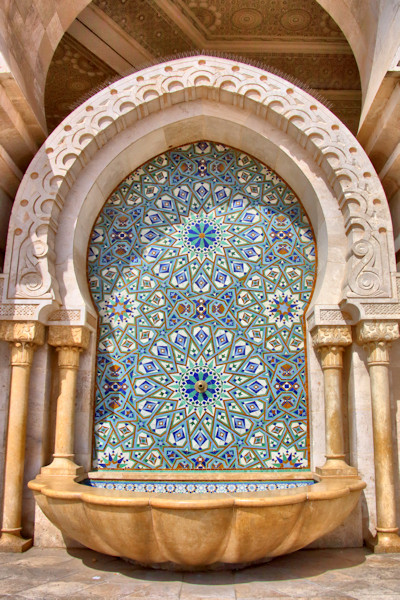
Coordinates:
[201,265]
[196,487]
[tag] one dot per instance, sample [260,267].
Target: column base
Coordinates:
[14,543]
[62,466]
[336,467]
[384,542]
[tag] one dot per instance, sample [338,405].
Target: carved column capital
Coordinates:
[376,337]
[22,354]
[69,336]
[68,356]
[22,331]
[331,357]
[377,331]
[331,335]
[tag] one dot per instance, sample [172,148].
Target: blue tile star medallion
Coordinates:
[201,265]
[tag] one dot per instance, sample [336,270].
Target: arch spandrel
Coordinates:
[30,260]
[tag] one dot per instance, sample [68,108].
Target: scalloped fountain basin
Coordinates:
[197,529]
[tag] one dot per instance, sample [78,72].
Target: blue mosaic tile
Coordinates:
[196,487]
[201,265]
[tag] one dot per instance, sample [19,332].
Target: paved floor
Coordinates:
[82,574]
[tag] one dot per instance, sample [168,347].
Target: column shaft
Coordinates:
[333,389]
[68,360]
[331,341]
[21,360]
[376,337]
[23,336]
[383,447]
[69,342]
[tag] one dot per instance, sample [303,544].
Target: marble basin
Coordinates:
[196,530]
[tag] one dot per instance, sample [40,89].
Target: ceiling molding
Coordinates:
[284,45]
[340,94]
[106,39]
[98,32]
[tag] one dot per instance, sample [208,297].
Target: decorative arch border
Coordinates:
[30,273]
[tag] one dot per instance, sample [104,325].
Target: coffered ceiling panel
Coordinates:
[233,19]
[113,37]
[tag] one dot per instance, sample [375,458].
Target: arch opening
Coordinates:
[144,113]
[201,265]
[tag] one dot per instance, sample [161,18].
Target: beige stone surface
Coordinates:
[21,361]
[372,29]
[69,342]
[197,531]
[22,331]
[50,574]
[301,121]
[331,340]
[69,336]
[376,338]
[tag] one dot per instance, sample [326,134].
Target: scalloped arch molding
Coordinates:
[31,287]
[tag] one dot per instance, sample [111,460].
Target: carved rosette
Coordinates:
[376,337]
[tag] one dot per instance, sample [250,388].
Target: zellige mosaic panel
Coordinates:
[201,265]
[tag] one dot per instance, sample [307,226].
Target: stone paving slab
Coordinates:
[52,574]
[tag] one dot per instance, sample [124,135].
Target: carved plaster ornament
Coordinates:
[376,337]
[377,331]
[30,260]
[30,332]
[331,335]
[69,336]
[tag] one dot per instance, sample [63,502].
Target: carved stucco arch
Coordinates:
[31,289]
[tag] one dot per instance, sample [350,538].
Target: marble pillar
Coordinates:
[376,337]
[331,340]
[23,337]
[69,342]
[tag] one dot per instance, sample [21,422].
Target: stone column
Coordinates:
[376,336]
[331,340]
[23,338]
[69,342]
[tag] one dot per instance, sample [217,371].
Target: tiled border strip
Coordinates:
[194,487]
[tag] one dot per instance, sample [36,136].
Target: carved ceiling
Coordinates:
[113,37]
[74,71]
[221,20]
